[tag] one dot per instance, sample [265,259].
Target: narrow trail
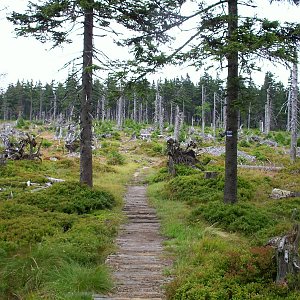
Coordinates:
[138,263]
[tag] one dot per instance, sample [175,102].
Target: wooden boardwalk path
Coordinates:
[138,264]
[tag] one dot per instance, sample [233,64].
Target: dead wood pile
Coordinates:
[21,147]
[177,155]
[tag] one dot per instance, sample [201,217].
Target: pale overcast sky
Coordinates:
[25,58]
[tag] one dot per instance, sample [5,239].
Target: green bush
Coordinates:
[151,148]
[240,217]
[69,197]
[22,224]
[161,175]
[20,123]
[115,158]
[46,143]
[282,138]
[196,189]
[259,155]
[244,143]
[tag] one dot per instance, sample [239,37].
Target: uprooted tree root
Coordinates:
[25,148]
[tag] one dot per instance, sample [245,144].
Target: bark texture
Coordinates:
[86,165]
[230,189]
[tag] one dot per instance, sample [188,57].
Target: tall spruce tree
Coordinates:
[50,21]
[232,40]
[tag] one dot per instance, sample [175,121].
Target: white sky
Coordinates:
[27,59]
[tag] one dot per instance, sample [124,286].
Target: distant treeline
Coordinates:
[35,101]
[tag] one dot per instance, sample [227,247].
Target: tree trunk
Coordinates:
[230,189]
[134,108]
[31,99]
[177,124]
[202,110]
[268,112]
[54,106]
[86,164]
[214,117]
[249,116]
[103,108]
[98,110]
[41,105]
[288,121]
[120,112]
[294,112]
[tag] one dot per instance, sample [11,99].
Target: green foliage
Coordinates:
[244,143]
[63,265]
[161,175]
[214,264]
[195,188]
[130,126]
[69,197]
[241,217]
[151,148]
[46,143]
[259,155]
[20,122]
[282,138]
[115,158]
[22,224]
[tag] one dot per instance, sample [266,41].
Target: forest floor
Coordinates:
[139,261]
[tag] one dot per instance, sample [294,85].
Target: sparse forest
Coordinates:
[217,159]
[200,103]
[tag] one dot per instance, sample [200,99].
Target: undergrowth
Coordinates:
[219,250]
[53,242]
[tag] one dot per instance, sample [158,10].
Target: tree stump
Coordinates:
[287,254]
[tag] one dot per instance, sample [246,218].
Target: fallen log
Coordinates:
[264,168]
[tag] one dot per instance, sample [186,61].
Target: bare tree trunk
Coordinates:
[171,114]
[203,111]
[98,109]
[268,112]
[294,113]
[230,188]
[214,117]
[134,108]
[86,159]
[161,115]
[288,121]
[54,106]
[103,116]
[41,105]
[249,116]
[146,113]
[156,107]
[177,124]
[4,108]
[120,112]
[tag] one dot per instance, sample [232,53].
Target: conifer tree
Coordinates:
[51,20]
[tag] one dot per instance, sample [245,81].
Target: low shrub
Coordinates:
[24,224]
[240,217]
[196,189]
[151,148]
[69,197]
[115,158]
[46,143]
